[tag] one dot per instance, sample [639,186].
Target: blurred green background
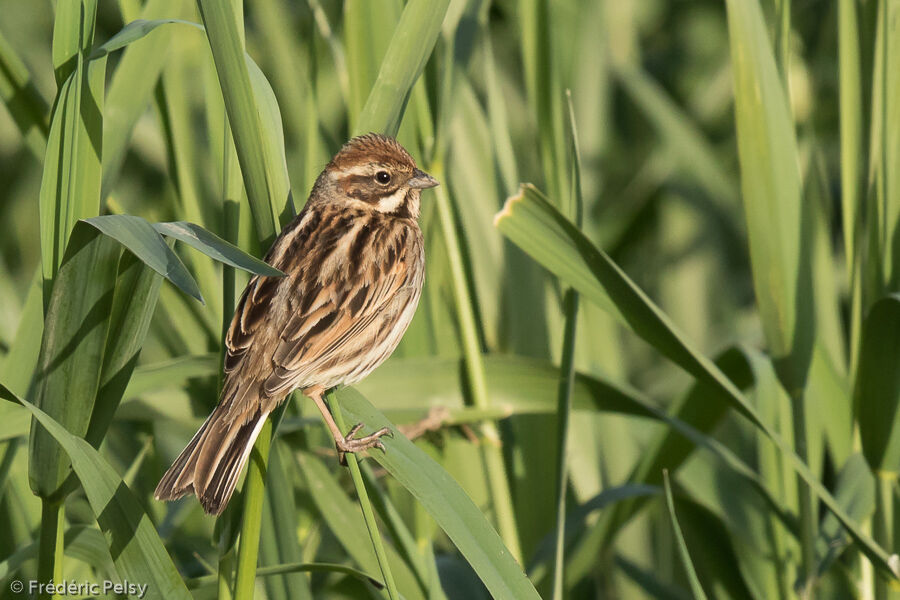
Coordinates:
[708,132]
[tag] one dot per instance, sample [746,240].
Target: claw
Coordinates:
[352,444]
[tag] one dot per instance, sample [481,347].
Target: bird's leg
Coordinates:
[346,443]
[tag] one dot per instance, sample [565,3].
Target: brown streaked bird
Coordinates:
[354,264]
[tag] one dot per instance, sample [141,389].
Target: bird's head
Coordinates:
[376,172]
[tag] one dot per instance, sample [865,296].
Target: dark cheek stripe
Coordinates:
[363,187]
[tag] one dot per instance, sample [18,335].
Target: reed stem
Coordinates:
[364,502]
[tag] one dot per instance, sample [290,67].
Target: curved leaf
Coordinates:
[534,225]
[780,234]
[136,549]
[410,47]
[134,31]
[136,234]
[215,247]
[72,348]
[442,497]
[263,179]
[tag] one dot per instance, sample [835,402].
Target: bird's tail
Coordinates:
[210,464]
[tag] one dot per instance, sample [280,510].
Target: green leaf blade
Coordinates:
[146,243]
[442,497]
[215,247]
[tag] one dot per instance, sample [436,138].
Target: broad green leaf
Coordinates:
[137,551]
[70,183]
[137,291]
[539,229]
[263,176]
[683,553]
[147,244]
[272,141]
[877,393]
[779,231]
[446,502]
[410,47]
[883,220]
[215,247]
[545,93]
[367,29]
[851,127]
[73,34]
[72,348]
[516,385]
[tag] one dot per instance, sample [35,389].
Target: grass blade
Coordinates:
[147,244]
[72,348]
[850,127]
[264,177]
[410,47]
[70,183]
[346,522]
[696,588]
[535,226]
[446,502]
[360,486]
[215,247]
[137,551]
[779,234]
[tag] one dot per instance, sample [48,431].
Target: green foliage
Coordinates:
[716,216]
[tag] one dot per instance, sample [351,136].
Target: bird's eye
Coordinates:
[383,177]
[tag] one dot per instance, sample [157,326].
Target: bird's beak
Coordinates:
[421,180]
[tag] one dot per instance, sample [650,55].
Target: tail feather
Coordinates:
[219,481]
[210,464]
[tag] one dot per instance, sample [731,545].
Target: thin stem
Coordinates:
[564,409]
[223,575]
[254,491]
[50,544]
[883,523]
[364,503]
[808,525]
[498,483]
[403,538]
[231,190]
[567,368]
[885,167]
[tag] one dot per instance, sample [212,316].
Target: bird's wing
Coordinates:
[335,329]
[288,329]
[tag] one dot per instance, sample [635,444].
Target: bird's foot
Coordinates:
[352,444]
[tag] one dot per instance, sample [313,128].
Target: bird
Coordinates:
[354,264]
